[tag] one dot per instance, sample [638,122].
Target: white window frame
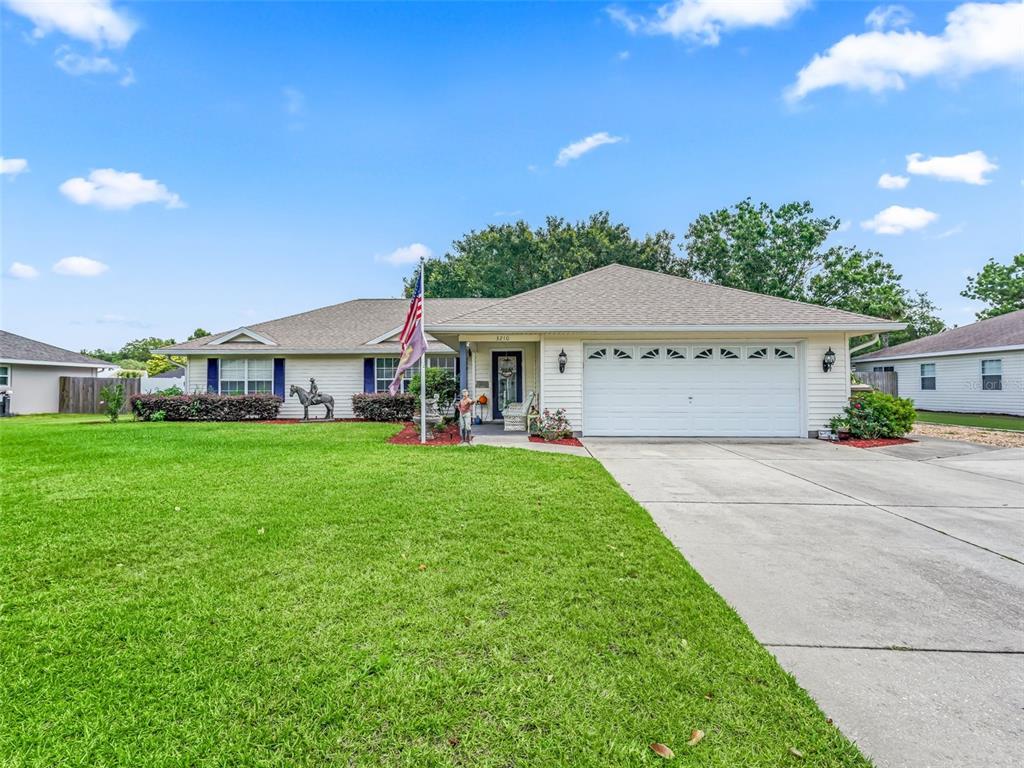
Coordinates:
[925,375]
[248,381]
[448,362]
[998,361]
[5,376]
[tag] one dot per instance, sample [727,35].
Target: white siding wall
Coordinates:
[958,382]
[340,376]
[480,368]
[36,388]
[826,393]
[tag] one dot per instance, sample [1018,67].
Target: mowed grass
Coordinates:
[984,420]
[300,595]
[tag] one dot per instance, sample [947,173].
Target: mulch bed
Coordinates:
[878,442]
[411,436]
[560,441]
[314,421]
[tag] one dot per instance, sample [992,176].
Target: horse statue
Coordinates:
[316,398]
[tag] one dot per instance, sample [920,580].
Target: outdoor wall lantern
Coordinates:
[563,359]
[828,360]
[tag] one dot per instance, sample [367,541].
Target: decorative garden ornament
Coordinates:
[313,397]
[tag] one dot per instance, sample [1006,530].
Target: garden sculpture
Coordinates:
[313,397]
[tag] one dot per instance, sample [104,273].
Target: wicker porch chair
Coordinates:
[515,414]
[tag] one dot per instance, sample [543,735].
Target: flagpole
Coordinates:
[423,361]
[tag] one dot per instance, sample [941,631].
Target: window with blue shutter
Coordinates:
[213,375]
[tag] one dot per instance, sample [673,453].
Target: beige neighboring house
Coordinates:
[976,368]
[623,351]
[30,372]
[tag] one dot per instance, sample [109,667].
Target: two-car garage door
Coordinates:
[734,389]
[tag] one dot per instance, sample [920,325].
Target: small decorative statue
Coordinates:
[465,407]
[313,397]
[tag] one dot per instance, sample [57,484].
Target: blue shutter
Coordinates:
[279,376]
[369,377]
[212,375]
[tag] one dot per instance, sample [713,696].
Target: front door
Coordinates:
[506,380]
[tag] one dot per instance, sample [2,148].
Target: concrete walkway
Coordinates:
[890,582]
[494,434]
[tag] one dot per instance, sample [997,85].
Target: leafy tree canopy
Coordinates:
[505,259]
[1000,286]
[139,349]
[160,363]
[198,333]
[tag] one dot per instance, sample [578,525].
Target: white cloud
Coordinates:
[895,220]
[94,21]
[579,148]
[623,55]
[970,167]
[888,181]
[128,78]
[889,17]
[977,37]
[22,271]
[107,188]
[407,254]
[844,225]
[75,64]
[80,266]
[951,231]
[703,21]
[12,166]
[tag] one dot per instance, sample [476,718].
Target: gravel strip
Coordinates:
[971,435]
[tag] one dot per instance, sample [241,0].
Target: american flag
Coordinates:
[412,338]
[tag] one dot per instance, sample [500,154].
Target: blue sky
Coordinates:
[284,151]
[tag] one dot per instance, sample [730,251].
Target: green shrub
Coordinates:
[383,406]
[158,416]
[112,400]
[876,414]
[129,374]
[169,391]
[440,384]
[552,426]
[206,407]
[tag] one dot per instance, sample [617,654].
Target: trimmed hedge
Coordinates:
[383,406]
[876,414]
[206,407]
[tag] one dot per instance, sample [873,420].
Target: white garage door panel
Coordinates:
[743,397]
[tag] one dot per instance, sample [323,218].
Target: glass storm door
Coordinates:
[507,375]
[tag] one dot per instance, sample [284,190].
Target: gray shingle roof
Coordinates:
[346,327]
[1003,331]
[15,347]
[626,297]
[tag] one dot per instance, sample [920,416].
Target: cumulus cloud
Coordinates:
[970,167]
[704,21]
[12,166]
[407,254]
[22,271]
[107,188]
[75,64]
[888,181]
[579,148]
[977,37]
[889,17]
[80,266]
[94,21]
[895,220]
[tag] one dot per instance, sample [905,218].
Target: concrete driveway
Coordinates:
[890,582]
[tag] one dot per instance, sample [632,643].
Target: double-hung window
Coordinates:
[239,376]
[927,375]
[992,374]
[5,376]
[384,369]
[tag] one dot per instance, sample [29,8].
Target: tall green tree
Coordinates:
[782,252]
[198,333]
[1000,286]
[505,259]
[139,349]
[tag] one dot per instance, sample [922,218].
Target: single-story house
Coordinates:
[623,351]
[30,371]
[976,368]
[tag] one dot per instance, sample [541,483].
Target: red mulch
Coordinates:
[558,441]
[411,436]
[314,421]
[878,442]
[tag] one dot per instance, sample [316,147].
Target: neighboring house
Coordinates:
[977,368]
[624,351]
[30,370]
[172,377]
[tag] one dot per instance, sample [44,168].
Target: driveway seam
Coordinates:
[889,512]
[891,648]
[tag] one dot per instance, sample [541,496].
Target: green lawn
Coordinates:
[989,420]
[268,595]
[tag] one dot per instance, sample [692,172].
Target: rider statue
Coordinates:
[313,391]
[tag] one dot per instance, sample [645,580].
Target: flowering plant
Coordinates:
[552,426]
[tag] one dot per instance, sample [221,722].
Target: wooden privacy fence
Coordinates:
[81,394]
[883,381]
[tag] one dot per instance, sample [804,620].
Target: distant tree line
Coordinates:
[779,251]
[135,355]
